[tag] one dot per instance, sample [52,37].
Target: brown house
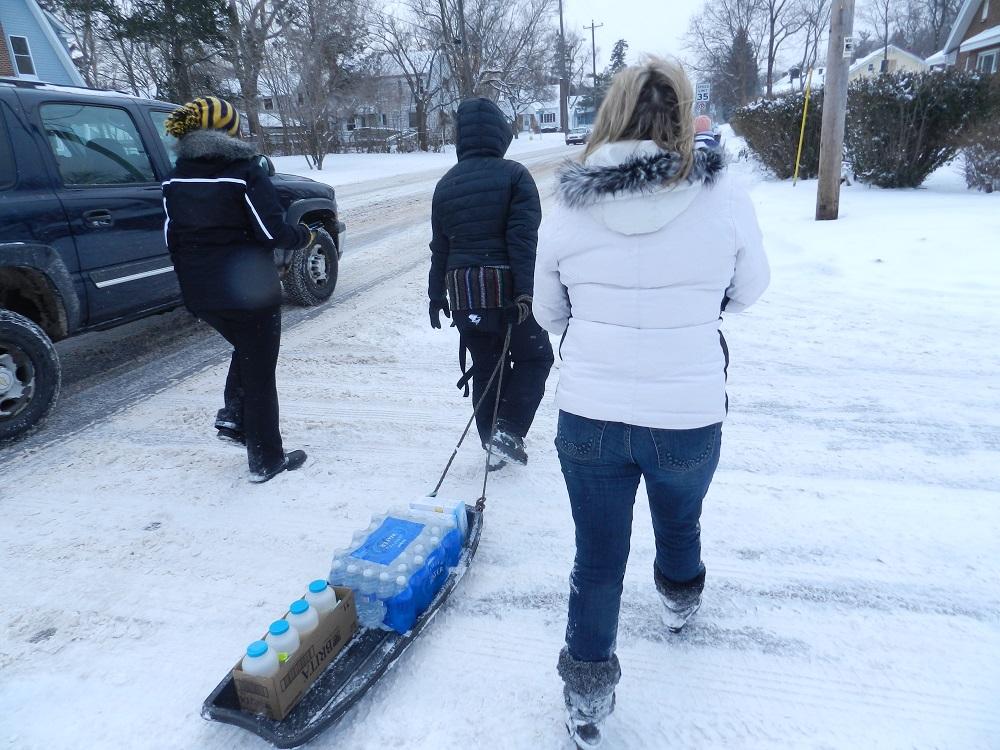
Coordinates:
[6,66]
[974,42]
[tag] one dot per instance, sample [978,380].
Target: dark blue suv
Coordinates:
[81,230]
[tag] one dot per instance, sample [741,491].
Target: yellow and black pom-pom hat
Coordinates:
[206,113]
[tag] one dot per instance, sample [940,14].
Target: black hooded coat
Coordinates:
[486,209]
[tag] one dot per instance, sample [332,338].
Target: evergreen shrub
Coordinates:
[902,126]
[982,149]
[771,129]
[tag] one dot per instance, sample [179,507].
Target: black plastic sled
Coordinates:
[347,678]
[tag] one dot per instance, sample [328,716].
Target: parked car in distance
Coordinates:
[81,230]
[577,136]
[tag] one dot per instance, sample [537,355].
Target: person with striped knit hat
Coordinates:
[223,223]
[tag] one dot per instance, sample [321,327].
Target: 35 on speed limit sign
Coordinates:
[703,93]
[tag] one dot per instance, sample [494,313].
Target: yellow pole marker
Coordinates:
[802,131]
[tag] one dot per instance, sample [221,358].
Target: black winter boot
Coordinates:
[509,446]
[590,696]
[293,460]
[229,423]
[680,600]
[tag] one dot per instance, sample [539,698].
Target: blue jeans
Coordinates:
[602,463]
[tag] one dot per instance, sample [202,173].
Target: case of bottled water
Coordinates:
[399,562]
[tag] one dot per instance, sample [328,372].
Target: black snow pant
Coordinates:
[251,390]
[524,376]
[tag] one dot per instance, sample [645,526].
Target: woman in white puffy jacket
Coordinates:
[649,244]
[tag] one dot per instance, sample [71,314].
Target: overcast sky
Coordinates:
[647,25]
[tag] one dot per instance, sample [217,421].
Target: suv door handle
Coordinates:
[98,219]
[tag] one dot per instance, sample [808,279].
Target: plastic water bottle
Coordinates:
[302,617]
[338,572]
[321,597]
[386,590]
[260,660]
[420,583]
[401,611]
[437,566]
[452,542]
[371,611]
[283,639]
[352,577]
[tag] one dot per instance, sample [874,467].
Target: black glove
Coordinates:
[519,311]
[284,256]
[435,308]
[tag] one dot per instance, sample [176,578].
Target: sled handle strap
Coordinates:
[502,365]
[475,411]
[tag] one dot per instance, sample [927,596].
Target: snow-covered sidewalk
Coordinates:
[850,535]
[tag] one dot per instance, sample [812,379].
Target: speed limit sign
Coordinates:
[703,93]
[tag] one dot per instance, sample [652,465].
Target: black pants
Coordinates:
[524,376]
[250,386]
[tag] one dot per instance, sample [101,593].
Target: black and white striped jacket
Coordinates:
[223,220]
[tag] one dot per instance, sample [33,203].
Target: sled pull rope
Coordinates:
[481,502]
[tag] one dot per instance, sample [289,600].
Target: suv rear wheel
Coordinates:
[29,375]
[312,274]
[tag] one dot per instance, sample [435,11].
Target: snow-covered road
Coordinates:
[850,535]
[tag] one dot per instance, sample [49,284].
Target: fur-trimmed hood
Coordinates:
[213,145]
[626,185]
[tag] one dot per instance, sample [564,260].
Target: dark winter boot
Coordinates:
[590,696]
[229,423]
[680,600]
[509,446]
[293,460]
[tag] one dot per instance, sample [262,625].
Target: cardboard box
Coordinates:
[276,696]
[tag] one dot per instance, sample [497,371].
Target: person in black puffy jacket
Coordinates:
[485,219]
[223,222]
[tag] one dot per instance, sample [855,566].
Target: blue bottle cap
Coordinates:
[318,586]
[256,649]
[298,606]
[278,627]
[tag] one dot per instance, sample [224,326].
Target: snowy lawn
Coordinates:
[346,169]
[850,535]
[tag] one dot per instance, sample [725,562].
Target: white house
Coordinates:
[886,60]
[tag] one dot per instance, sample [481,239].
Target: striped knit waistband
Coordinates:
[480,287]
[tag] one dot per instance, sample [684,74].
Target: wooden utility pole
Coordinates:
[563,78]
[831,150]
[593,51]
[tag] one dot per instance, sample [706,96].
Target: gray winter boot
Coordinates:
[590,696]
[680,600]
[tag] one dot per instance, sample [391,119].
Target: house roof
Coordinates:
[987,38]
[939,58]
[962,21]
[880,52]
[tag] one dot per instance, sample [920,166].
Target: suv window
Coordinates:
[159,118]
[6,156]
[96,145]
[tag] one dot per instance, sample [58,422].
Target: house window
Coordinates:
[986,10]
[871,67]
[22,56]
[548,118]
[987,61]
[269,104]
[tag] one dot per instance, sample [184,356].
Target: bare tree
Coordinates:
[817,20]
[883,15]
[414,57]
[782,19]
[252,24]
[310,68]
[726,40]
